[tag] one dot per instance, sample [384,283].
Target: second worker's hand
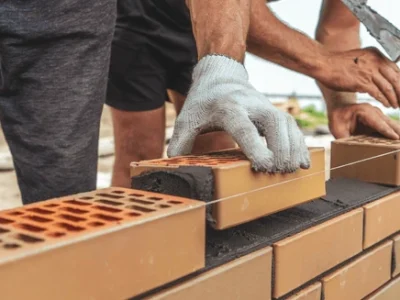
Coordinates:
[353,119]
[221,98]
[365,71]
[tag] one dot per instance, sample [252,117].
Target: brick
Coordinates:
[390,291]
[360,277]
[396,256]
[384,169]
[105,244]
[312,292]
[381,219]
[234,178]
[248,277]
[306,255]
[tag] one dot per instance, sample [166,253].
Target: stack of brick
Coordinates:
[306,240]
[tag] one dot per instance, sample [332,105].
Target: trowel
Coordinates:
[387,35]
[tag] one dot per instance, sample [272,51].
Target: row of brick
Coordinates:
[100,241]
[307,255]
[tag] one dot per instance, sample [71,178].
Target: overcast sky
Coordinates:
[303,15]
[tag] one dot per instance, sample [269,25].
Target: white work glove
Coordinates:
[221,98]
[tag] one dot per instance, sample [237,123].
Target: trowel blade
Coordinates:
[387,35]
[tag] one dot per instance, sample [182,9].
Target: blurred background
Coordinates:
[290,91]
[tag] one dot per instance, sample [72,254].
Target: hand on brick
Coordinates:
[221,98]
[362,118]
[364,71]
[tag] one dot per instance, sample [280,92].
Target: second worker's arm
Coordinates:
[338,31]
[332,60]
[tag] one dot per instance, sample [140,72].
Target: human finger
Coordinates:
[386,90]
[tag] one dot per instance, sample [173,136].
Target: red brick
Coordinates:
[106,244]
[235,179]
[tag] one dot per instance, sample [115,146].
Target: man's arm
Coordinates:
[221,97]
[359,70]
[273,40]
[338,30]
[220,26]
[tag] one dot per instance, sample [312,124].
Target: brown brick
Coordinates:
[233,176]
[248,277]
[384,169]
[106,244]
[390,291]
[396,256]
[312,292]
[360,277]
[304,256]
[381,219]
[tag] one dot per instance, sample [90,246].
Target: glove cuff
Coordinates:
[216,66]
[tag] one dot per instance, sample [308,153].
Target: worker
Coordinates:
[153,62]
[54,58]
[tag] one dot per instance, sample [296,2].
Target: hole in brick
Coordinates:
[70,227]
[142,209]
[108,209]
[15,213]
[96,224]
[106,217]
[72,218]
[75,202]
[86,198]
[37,219]
[110,196]
[28,239]
[52,205]
[11,246]
[56,234]
[30,227]
[41,211]
[5,221]
[118,192]
[2,230]
[74,210]
[154,198]
[164,206]
[109,202]
[133,214]
[174,202]
[141,201]
[136,195]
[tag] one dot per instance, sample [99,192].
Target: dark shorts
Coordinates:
[148,60]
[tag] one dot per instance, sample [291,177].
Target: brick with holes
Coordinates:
[106,244]
[368,158]
[251,195]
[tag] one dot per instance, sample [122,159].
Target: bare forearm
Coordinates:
[337,35]
[220,26]
[273,40]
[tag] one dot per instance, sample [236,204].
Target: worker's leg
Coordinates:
[136,94]
[208,142]
[54,63]
[138,135]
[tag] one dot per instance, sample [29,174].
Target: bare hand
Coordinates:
[364,71]
[363,118]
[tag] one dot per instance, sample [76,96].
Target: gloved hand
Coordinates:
[221,98]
